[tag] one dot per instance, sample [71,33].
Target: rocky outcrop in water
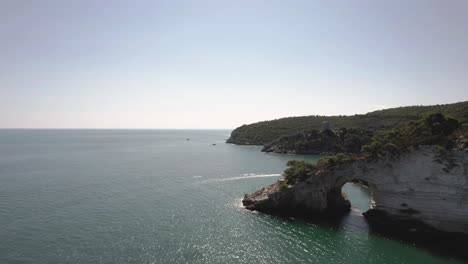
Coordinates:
[422,190]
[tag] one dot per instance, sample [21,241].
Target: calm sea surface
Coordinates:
[152,196]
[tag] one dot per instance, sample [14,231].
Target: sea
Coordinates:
[165,196]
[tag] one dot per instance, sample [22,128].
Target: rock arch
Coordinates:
[338,201]
[420,186]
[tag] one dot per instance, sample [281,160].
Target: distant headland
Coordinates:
[265,132]
[413,159]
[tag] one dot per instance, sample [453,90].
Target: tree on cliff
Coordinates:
[433,129]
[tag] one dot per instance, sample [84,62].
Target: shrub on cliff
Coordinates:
[298,170]
[432,129]
[441,124]
[283,185]
[373,149]
[440,150]
[391,148]
[330,161]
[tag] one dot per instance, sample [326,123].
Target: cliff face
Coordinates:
[418,187]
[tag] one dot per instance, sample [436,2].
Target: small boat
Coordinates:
[214,144]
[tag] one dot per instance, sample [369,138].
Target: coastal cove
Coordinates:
[164,196]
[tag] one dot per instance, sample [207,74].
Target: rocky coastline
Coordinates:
[415,192]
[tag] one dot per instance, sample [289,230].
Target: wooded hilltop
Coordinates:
[356,128]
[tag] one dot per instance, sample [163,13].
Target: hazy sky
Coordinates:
[220,64]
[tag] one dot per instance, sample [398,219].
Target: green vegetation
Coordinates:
[314,142]
[283,185]
[440,150]
[262,133]
[365,137]
[267,131]
[330,161]
[298,170]
[433,129]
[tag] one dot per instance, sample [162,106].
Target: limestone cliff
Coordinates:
[420,187]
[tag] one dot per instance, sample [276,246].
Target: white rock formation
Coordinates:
[420,186]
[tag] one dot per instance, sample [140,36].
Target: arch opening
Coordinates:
[359,195]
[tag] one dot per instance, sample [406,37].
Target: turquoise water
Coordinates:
[359,196]
[152,196]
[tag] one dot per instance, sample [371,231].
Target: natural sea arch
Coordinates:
[416,187]
[358,194]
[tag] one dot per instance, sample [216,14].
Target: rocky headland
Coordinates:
[417,176]
[266,132]
[420,191]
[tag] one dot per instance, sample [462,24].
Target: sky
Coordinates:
[221,64]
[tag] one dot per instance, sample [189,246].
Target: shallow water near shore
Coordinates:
[164,196]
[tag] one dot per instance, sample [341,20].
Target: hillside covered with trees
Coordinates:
[344,140]
[265,132]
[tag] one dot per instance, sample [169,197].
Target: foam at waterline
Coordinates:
[236,203]
[356,211]
[244,176]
